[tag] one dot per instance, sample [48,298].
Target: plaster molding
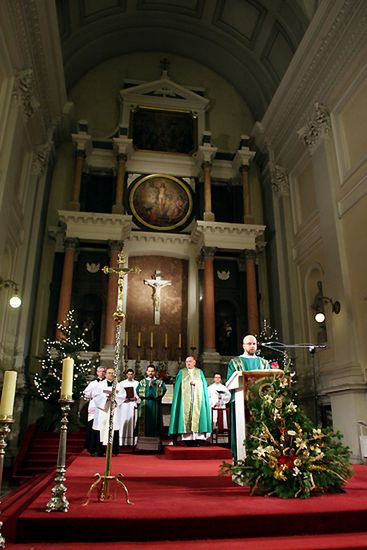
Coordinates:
[24,93]
[41,157]
[92,226]
[317,126]
[279,179]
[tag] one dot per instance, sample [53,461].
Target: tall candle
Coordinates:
[151,339]
[126,338]
[139,339]
[179,341]
[67,378]
[193,341]
[8,393]
[166,340]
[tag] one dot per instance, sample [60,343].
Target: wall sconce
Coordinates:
[14,300]
[335,308]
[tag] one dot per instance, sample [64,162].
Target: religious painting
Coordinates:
[161,203]
[160,130]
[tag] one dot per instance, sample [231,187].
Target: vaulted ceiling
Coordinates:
[248,42]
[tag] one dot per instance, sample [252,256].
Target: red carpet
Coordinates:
[208,452]
[177,499]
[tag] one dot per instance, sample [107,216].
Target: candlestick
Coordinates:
[166,340]
[139,339]
[151,339]
[179,341]
[67,379]
[8,394]
[126,338]
[5,426]
[58,502]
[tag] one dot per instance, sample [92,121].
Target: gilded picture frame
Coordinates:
[161,202]
[161,130]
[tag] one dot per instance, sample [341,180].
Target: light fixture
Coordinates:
[320,315]
[14,300]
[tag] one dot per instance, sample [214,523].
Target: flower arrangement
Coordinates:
[287,456]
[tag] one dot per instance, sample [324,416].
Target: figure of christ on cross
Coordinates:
[157,283]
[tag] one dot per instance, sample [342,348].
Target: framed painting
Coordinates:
[162,130]
[161,203]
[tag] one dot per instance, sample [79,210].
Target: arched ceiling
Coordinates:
[248,42]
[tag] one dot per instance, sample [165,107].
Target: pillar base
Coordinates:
[107,356]
[211,362]
[73,205]
[117,209]
[209,217]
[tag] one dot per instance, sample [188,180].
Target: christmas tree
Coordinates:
[287,456]
[48,382]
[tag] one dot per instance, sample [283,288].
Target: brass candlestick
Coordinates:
[5,429]
[58,502]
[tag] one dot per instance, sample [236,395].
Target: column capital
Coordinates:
[71,243]
[318,126]
[23,92]
[208,251]
[244,155]
[122,145]
[82,142]
[41,157]
[121,157]
[279,179]
[115,246]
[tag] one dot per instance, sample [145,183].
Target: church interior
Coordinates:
[221,146]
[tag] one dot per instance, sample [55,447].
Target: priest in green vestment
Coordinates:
[150,390]
[190,412]
[246,362]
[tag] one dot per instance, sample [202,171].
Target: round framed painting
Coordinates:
[160,202]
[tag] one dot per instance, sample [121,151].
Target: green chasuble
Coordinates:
[190,412]
[150,408]
[242,363]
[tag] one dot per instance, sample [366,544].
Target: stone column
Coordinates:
[111,304]
[66,282]
[241,162]
[209,302]
[118,208]
[83,143]
[208,214]
[251,293]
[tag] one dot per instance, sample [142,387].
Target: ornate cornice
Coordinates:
[317,126]
[226,236]
[91,226]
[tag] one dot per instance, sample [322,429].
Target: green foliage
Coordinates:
[287,456]
[72,344]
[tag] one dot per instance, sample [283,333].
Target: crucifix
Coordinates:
[157,283]
[118,316]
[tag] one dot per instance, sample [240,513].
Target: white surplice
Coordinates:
[128,413]
[219,396]
[103,404]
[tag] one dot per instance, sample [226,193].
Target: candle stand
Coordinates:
[5,428]
[58,502]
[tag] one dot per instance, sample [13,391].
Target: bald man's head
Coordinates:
[249,344]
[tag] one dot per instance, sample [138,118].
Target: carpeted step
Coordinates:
[206,452]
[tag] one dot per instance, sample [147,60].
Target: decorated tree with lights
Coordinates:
[47,383]
[286,455]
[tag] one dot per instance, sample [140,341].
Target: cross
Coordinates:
[157,283]
[122,272]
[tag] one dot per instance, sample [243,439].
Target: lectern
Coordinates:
[239,382]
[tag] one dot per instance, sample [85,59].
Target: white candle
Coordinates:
[166,340]
[8,394]
[126,338]
[179,341]
[151,339]
[67,378]
[139,339]
[193,341]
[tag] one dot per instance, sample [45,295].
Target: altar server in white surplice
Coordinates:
[92,443]
[219,396]
[102,399]
[128,411]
